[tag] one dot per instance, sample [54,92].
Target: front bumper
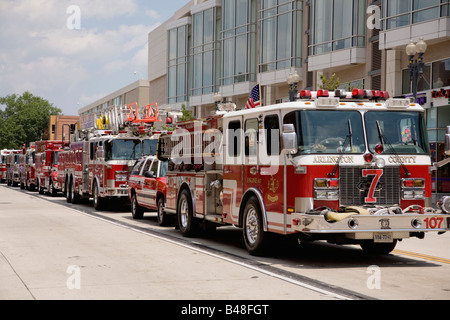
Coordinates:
[358,226]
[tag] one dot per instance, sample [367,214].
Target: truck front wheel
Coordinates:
[371,247]
[98,200]
[253,230]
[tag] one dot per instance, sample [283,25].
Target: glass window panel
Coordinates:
[182,48]
[399,21]
[269,39]
[420,4]
[425,15]
[342,25]
[198,29]
[207,69]
[396,7]
[172,44]
[441,74]
[284,36]
[228,14]
[322,21]
[241,12]
[197,72]
[228,57]
[208,26]
[241,57]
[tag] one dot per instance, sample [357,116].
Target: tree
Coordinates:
[24,119]
[187,115]
[330,84]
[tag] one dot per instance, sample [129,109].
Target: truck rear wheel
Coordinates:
[137,212]
[253,230]
[371,247]
[186,221]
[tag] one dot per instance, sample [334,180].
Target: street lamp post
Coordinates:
[416,65]
[293,80]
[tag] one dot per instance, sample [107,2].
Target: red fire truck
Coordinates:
[46,166]
[101,154]
[13,168]
[27,170]
[3,154]
[346,167]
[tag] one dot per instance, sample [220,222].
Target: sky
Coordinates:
[74,52]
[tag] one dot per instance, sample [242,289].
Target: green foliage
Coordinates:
[330,84]
[24,119]
[187,115]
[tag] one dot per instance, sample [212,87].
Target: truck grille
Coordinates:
[354,188]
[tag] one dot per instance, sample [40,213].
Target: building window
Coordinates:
[337,24]
[205,51]
[238,41]
[441,74]
[177,80]
[400,13]
[423,83]
[281,34]
[435,75]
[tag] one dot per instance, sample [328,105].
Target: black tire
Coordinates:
[255,238]
[137,212]
[69,193]
[75,197]
[53,192]
[185,215]
[163,218]
[99,202]
[370,247]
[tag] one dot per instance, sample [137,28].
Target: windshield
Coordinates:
[322,131]
[149,147]
[405,131]
[122,149]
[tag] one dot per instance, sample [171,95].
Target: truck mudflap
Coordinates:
[380,224]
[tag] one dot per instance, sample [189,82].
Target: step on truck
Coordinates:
[345,167]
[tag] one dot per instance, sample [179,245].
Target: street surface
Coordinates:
[52,250]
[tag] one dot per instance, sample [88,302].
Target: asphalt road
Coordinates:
[51,250]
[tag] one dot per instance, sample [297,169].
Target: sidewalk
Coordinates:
[49,252]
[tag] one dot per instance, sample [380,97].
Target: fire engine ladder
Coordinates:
[117,117]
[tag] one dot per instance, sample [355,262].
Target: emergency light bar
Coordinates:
[342,94]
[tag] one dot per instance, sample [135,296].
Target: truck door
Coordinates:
[232,169]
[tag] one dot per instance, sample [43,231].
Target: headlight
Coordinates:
[121,175]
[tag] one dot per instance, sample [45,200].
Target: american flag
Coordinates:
[254,99]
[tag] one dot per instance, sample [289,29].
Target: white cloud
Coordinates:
[40,54]
[152,14]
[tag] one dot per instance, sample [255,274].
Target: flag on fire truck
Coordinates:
[254,98]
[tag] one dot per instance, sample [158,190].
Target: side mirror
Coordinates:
[447,142]
[149,174]
[100,152]
[289,144]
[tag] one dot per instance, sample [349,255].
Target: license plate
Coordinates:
[383,237]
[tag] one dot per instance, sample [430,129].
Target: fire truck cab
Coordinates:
[346,167]
[3,154]
[102,153]
[13,168]
[28,176]
[46,165]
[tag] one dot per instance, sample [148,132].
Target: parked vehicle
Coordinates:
[346,167]
[147,188]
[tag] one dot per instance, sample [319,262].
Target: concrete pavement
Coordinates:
[51,252]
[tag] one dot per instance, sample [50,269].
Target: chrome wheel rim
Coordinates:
[184,212]
[251,226]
